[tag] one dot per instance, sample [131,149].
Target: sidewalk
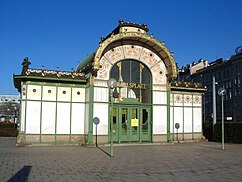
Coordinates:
[204,161]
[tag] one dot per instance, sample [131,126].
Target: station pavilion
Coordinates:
[58,107]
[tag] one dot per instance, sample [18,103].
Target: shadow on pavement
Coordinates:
[103,151]
[21,175]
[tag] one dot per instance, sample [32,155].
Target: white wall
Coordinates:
[33,117]
[48,117]
[101,111]
[159,119]
[53,109]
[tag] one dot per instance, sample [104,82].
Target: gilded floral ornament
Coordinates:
[161,48]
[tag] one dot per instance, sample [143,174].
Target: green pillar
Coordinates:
[168,116]
[90,118]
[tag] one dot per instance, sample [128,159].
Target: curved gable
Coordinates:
[146,40]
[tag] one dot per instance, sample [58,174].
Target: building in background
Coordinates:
[9,108]
[228,74]
[59,106]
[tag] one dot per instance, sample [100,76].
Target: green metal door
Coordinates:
[134,124]
[115,124]
[124,124]
[131,124]
[145,124]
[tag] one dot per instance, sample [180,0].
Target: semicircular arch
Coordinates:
[158,46]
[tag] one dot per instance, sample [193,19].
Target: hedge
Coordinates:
[232,132]
[8,130]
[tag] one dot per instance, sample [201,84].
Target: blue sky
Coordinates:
[59,33]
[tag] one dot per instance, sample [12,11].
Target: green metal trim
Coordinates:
[109,118]
[159,91]
[192,120]
[188,106]
[159,104]
[70,115]
[48,79]
[41,105]
[189,93]
[53,84]
[183,117]
[56,111]
[168,117]
[91,105]
[56,101]
[173,118]
[25,117]
[20,111]
[192,89]
[140,124]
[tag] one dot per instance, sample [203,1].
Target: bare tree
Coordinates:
[9,110]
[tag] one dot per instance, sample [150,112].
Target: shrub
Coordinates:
[8,130]
[232,132]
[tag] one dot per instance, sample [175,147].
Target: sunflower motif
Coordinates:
[178,98]
[197,99]
[188,99]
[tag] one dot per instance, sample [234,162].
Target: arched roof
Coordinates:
[93,61]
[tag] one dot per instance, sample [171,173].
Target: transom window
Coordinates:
[134,80]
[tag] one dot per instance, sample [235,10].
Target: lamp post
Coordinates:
[8,115]
[15,114]
[214,103]
[112,84]
[222,92]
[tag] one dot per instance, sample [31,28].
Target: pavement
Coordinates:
[194,161]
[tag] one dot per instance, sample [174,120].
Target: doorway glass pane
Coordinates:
[115,121]
[145,121]
[134,80]
[124,127]
[134,121]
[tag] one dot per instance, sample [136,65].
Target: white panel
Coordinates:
[63,118]
[87,94]
[23,91]
[160,87]
[102,83]
[78,118]
[159,120]
[34,92]
[197,100]
[171,99]
[171,120]
[187,120]
[86,118]
[78,95]
[101,111]
[100,94]
[178,118]
[197,119]
[48,117]
[159,97]
[22,116]
[33,117]
[64,94]
[178,99]
[49,93]
[187,100]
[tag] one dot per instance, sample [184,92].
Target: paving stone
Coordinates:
[204,161]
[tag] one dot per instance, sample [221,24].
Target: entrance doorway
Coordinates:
[131,124]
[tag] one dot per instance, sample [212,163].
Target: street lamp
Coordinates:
[15,115]
[8,115]
[112,84]
[214,103]
[222,92]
